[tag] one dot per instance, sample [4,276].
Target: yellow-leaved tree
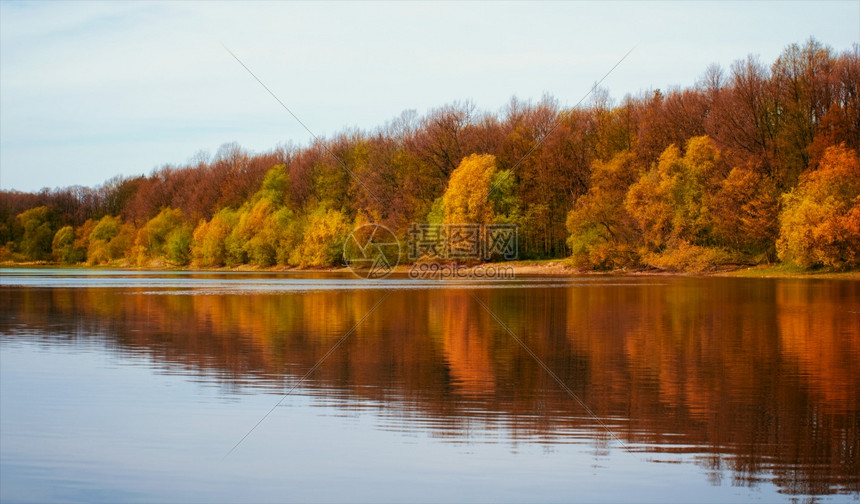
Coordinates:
[262,232]
[254,236]
[210,241]
[820,221]
[109,240]
[164,237]
[602,233]
[324,232]
[467,198]
[671,206]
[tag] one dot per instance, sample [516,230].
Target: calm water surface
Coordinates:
[127,386]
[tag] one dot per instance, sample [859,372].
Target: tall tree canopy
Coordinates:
[733,170]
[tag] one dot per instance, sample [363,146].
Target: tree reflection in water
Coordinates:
[758,377]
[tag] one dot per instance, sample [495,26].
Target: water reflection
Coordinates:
[756,377]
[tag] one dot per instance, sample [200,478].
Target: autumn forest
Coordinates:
[754,164]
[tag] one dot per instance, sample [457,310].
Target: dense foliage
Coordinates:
[751,165]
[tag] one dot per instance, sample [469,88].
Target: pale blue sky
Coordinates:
[91,90]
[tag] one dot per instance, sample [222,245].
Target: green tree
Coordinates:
[152,238]
[38,233]
[63,247]
[436,215]
[255,235]
[503,198]
[275,186]
[178,245]
[106,229]
[262,232]
[99,248]
[289,234]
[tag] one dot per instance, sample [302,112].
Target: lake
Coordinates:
[283,387]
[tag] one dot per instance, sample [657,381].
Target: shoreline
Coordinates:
[547,267]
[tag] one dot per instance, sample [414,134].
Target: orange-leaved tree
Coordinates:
[671,206]
[820,220]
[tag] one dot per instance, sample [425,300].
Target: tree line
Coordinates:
[757,163]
